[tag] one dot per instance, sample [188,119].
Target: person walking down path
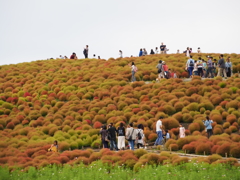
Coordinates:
[200,67]
[160,70]
[181,131]
[210,68]
[208,125]
[228,67]
[131,135]
[85,52]
[195,69]
[104,135]
[190,66]
[140,52]
[140,136]
[221,66]
[112,134]
[159,132]
[121,137]
[133,70]
[120,53]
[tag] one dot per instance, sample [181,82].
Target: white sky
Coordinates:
[40,29]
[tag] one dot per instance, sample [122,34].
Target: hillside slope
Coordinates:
[69,100]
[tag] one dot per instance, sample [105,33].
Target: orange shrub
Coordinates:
[194,127]
[235,152]
[231,118]
[188,148]
[152,137]
[224,149]
[203,148]
[173,147]
[233,128]
[217,118]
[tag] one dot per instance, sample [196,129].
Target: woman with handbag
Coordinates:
[131,135]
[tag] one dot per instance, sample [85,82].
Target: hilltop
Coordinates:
[69,100]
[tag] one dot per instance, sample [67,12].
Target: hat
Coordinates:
[163,62]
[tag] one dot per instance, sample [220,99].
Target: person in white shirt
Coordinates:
[133,70]
[140,139]
[199,50]
[159,132]
[156,50]
[94,56]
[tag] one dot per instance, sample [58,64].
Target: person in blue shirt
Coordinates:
[141,52]
[208,125]
[190,66]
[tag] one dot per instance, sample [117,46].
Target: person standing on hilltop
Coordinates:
[85,52]
[221,66]
[140,52]
[120,54]
[198,50]
[162,48]
[156,50]
[144,52]
[190,66]
[188,52]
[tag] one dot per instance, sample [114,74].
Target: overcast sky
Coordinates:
[39,29]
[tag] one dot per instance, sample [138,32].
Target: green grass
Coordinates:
[101,171]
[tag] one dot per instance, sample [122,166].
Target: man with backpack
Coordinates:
[190,66]
[140,136]
[85,52]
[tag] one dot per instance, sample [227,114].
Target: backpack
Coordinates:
[135,69]
[191,64]
[84,51]
[139,135]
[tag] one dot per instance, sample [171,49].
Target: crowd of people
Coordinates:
[114,138]
[209,68]
[204,68]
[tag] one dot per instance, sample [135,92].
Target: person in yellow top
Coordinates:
[54,147]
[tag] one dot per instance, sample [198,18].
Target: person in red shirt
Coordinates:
[165,68]
[73,56]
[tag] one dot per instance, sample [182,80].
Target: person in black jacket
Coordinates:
[112,135]
[121,136]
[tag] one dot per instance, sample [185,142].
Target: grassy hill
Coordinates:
[69,100]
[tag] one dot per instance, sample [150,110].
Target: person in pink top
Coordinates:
[165,69]
[181,131]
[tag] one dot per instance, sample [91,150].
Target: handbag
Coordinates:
[130,137]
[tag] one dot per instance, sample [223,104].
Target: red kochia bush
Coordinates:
[231,118]
[188,148]
[224,149]
[203,148]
